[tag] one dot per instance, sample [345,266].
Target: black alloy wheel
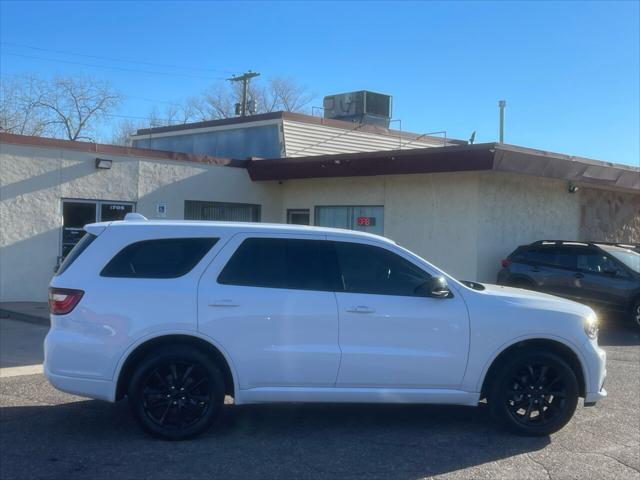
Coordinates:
[176,393]
[535,393]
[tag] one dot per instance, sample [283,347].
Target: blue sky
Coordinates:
[569,71]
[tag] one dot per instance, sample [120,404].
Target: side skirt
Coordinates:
[357,395]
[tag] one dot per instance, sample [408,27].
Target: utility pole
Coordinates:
[244,78]
[502,104]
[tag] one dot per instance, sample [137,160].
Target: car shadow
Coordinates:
[97,439]
[616,332]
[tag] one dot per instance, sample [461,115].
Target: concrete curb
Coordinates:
[24,317]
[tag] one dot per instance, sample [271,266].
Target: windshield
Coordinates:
[629,258]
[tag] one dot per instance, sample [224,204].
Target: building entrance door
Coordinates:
[78,213]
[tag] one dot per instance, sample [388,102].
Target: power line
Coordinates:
[112,67]
[112,59]
[135,97]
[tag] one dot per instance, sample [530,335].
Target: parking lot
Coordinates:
[48,434]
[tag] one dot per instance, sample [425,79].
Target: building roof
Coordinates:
[106,149]
[486,156]
[296,117]
[457,158]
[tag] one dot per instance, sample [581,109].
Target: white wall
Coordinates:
[34,180]
[517,210]
[173,182]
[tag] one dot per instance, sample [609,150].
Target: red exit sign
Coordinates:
[366,221]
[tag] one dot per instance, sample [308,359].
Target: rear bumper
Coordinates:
[84,387]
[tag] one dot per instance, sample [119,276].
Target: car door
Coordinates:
[601,281]
[390,336]
[269,301]
[552,268]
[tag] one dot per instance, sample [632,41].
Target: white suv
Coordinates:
[176,315]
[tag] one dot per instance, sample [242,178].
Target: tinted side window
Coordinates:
[375,270]
[282,263]
[163,258]
[553,256]
[596,262]
[76,251]
[564,257]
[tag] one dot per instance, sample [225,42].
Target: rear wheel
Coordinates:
[176,393]
[525,284]
[534,393]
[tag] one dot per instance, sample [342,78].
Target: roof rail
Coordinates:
[634,246]
[132,216]
[630,245]
[560,242]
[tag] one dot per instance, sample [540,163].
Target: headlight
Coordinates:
[591,326]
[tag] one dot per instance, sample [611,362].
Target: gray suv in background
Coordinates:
[605,276]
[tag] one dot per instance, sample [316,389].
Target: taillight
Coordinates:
[63,300]
[505,263]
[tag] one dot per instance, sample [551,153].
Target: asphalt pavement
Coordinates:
[48,434]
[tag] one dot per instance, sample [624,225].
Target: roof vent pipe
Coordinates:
[501,105]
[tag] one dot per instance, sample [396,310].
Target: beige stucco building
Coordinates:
[463,207]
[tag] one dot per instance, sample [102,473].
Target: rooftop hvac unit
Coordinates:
[361,107]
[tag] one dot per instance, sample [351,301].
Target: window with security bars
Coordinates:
[222,211]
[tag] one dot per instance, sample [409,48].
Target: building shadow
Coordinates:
[99,440]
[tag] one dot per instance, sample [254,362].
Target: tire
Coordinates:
[635,314]
[553,398]
[176,393]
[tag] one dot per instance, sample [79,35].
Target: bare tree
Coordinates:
[19,109]
[75,106]
[64,107]
[286,95]
[277,94]
[123,129]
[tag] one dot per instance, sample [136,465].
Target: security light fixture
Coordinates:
[103,163]
[573,188]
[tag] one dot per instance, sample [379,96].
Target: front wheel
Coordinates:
[534,393]
[176,393]
[635,314]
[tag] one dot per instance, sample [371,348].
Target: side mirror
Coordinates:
[613,272]
[435,287]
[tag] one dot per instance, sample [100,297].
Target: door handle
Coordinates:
[360,309]
[223,303]
[579,275]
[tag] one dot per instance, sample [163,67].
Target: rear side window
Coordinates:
[76,251]
[282,263]
[554,256]
[375,270]
[163,258]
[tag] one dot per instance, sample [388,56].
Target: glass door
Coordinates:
[78,213]
[75,215]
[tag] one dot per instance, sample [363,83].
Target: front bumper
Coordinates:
[596,362]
